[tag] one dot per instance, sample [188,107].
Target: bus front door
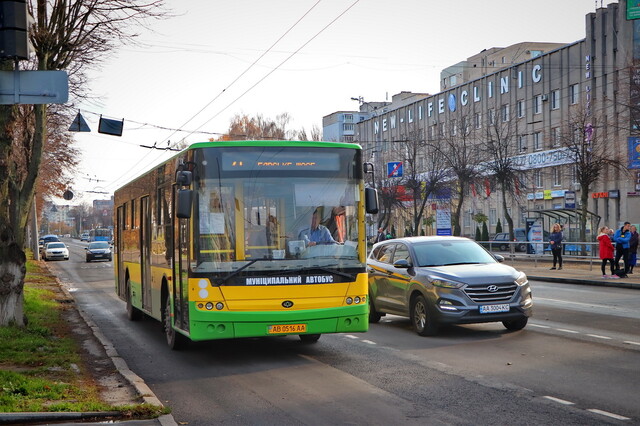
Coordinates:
[145,252]
[181,271]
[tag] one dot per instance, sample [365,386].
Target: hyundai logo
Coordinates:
[287,304]
[492,288]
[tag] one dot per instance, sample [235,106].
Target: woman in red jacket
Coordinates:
[606,251]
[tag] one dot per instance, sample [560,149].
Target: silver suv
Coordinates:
[445,280]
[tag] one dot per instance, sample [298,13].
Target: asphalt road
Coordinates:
[576,363]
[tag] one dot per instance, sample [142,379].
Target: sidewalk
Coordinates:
[573,272]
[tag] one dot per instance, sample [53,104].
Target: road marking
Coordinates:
[597,336]
[608,414]
[568,331]
[629,342]
[351,336]
[369,342]
[558,400]
[539,326]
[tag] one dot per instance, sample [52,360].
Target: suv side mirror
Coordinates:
[401,264]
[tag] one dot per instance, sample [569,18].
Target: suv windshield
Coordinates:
[443,253]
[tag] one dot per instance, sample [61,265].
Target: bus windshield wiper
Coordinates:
[222,280]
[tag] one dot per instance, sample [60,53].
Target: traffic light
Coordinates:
[13,29]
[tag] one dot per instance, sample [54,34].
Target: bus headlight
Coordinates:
[209,306]
[219,306]
[349,300]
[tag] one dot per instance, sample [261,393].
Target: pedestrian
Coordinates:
[555,240]
[633,248]
[606,252]
[622,237]
[381,235]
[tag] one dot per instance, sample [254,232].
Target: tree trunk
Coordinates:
[12,271]
[457,227]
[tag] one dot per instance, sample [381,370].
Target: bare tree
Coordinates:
[500,148]
[72,36]
[589,149]
[461,156]
[425,174]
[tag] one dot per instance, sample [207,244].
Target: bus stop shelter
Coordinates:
[570,220]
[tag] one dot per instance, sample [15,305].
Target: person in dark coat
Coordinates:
[555,240]
[633,248]
[381,235]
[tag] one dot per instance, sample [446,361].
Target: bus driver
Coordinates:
[316,234]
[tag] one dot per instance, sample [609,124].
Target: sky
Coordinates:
[189,75]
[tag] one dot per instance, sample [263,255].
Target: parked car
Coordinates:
[50,238]
[55,250]
[98,250]
[84,236]
[520,234]
[445,280]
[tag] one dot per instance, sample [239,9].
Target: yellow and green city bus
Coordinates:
[247,239]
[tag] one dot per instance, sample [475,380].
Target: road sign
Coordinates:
[33,87]
[394,169]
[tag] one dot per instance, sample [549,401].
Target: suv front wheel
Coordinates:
[422,318]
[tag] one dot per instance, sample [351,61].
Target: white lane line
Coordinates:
[558,400]
[351,336]
[597,336]
[539,326]
[608,414]
[369,342]
[568,331]
[630,342]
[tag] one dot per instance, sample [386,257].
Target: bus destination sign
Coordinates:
[281,160]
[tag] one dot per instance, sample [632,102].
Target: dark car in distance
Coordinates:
[98,250]
[502,242]
[445,280]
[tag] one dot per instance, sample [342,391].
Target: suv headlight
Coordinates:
[522,279]
[439,282]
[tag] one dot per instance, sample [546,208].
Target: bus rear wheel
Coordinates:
[309,338]
[175,340]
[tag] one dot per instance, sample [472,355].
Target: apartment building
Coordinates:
[548,99]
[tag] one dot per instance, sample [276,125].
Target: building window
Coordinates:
[467,218]
[348,138]
[574,94]
[453,80]
[537,178]
[537,104]
[442,133]
[348,127]
[464,125]
[522,143]
[432,132]
[521,108]
[492,116]
[537,141]
[493,217]
[478,120]
[557,176]
[505,112]
[556,135]
[348,117]
[555,99]
[454,128]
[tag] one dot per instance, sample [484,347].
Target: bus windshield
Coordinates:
[295,208]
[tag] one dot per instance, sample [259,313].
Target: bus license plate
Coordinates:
[489,309]
[287,328]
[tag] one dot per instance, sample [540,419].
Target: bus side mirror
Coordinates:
[371,200]
[185,197]
[183,178]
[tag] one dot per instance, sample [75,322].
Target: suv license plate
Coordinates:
[287,328]
[489,309]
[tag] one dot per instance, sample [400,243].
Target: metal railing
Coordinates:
[572,251]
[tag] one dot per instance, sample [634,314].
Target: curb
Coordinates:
[617,283]
[136,381]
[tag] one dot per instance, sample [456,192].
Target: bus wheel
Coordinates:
[175,340]
[309,338]
[133,313]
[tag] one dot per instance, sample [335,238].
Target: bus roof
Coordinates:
[319,144]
